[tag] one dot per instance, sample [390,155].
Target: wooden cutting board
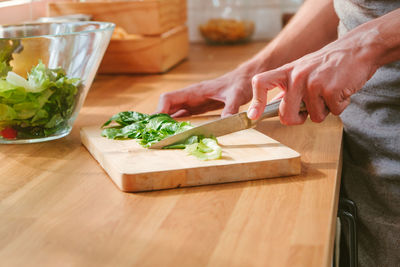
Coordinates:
[246,155]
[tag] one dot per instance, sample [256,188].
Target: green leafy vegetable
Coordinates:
[206,148]
[40,105]
[149,129]
[7,48]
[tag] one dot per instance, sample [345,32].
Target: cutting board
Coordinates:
[246,155]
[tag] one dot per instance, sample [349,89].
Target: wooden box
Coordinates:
[156,37]
[147,54]
[148,17]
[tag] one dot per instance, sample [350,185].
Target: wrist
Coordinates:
[373,46]
[381,39]
[369,48]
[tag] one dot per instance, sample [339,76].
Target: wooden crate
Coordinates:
[148,17]
[161,37]
[147,54]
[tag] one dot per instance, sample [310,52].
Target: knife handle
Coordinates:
[272,110]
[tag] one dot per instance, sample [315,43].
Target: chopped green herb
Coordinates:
[149,129]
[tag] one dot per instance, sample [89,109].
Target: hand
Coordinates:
[229,91]
[324,80]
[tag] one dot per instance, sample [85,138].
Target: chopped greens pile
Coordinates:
[38,106]
[149,129]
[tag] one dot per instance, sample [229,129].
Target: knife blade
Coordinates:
[222,126]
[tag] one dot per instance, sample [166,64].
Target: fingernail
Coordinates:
[252,113]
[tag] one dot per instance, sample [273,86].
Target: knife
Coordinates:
[223,126]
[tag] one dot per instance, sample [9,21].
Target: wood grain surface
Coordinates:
[246,155]
[59,208]
[149,17]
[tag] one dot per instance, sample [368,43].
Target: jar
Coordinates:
[226,22]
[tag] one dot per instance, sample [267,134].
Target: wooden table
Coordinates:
[59,208]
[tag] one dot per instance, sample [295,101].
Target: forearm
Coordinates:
[383,41]
[314,26]
[326,79]
[373,44]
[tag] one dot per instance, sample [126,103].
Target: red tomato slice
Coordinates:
[8,133]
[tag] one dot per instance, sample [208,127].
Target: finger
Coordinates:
[289,112]
[316,107]
[315,103]
[181,113]
[289,109]
[205,106]
[186,111]
[339,107]
[171,102]
[231,107]
[261,84]
[344,100]
[163,104]
[337,101]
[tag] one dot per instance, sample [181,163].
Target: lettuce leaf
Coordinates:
[149,129]
[205,149]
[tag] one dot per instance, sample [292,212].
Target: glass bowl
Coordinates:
[46,70]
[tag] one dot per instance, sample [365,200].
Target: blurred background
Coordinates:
[268,16]
[153,36]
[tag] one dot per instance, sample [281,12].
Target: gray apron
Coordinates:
[371,158]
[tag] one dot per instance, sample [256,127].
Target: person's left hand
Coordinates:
[324,80]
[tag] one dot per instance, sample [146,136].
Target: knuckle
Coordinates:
[297,76]
[346,93]
[164,96]
[310,92]
[329,93]
[335,110]
[313,86]
[256,81]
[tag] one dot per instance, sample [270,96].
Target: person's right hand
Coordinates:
[229,91]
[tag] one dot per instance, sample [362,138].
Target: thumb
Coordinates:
[262,83]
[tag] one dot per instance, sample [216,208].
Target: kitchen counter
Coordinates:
[59,208]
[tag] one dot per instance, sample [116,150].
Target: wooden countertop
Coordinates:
[59,208]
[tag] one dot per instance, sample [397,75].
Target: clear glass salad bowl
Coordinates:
[46,71]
